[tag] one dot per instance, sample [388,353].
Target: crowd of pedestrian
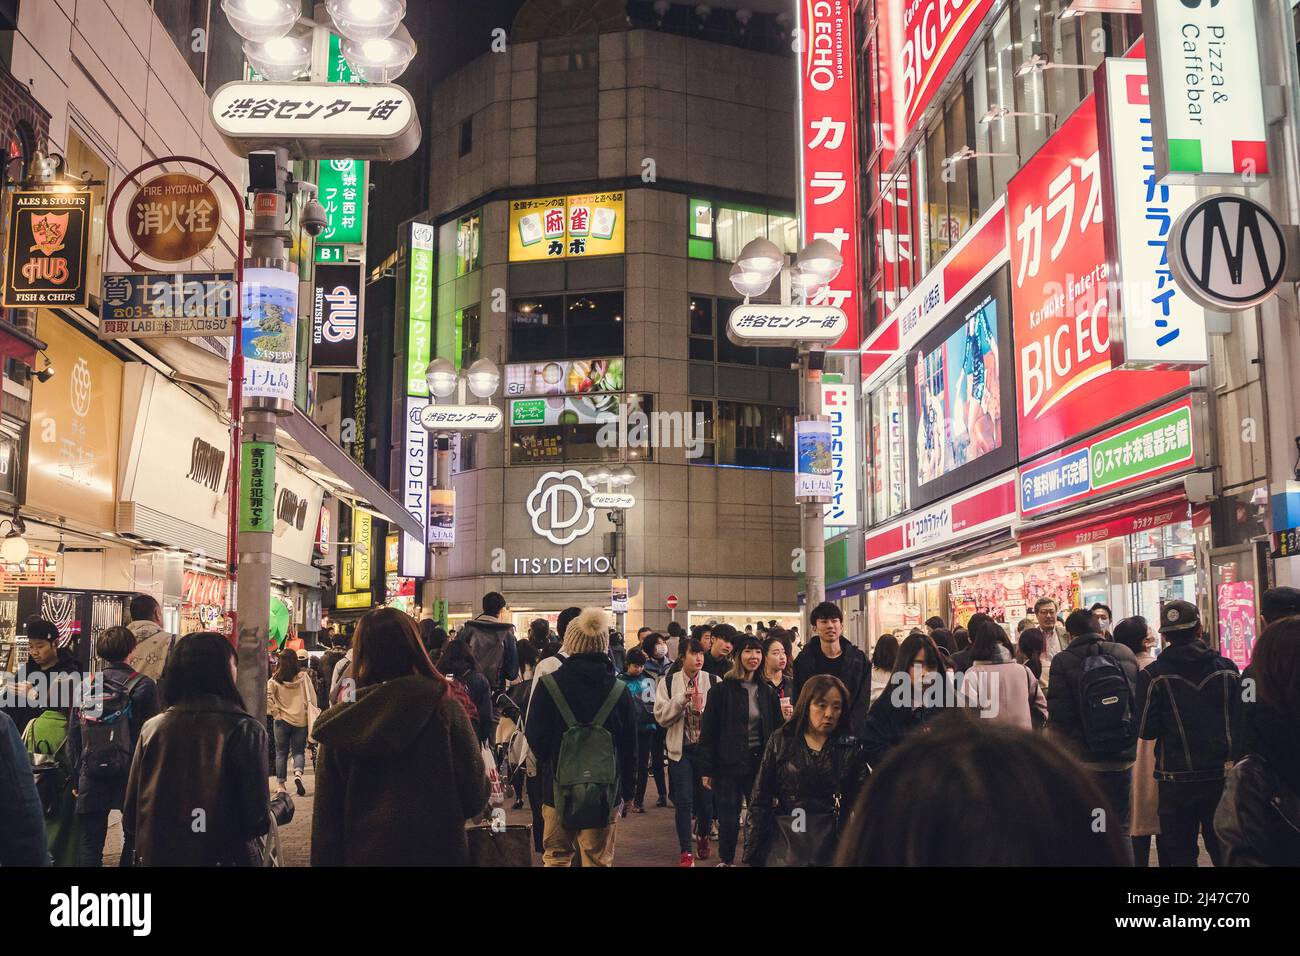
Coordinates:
[1083,739]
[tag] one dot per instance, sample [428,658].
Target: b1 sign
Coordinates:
[318,120]
[1208,98]
[828,167]
[1153,324]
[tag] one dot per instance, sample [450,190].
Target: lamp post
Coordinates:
[616,506]
[482,380]
[281,44]
[813,269]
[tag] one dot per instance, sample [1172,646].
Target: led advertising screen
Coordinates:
[959,380]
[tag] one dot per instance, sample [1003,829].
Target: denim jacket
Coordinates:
[1190,702]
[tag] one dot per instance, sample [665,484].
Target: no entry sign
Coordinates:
[672,602]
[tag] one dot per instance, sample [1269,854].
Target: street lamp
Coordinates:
[484,378]
[362,20]
[261,20]
[381,59]
[442,378]
[283,58]
[761,261]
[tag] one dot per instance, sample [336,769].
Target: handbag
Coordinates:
[512,846]
[812,844]
[496,789]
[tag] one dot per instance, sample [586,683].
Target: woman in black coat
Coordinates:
[916,693]
[742,713]
[812,764]
[457,661]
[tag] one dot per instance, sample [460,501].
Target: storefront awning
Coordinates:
[329,464]
[18,345]
[1140,514]
[869,581]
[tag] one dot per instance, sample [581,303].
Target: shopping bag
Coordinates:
[496,789]
[506,846]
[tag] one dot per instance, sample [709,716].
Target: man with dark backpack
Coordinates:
[1092,706]
[115,704]
[581,729]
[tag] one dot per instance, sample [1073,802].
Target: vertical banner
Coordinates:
[342,186]
[618,595]
[442,517]
[415,487]
[829,151]
[363,532]
[1153,324]
[814,461]
[838,405]
[392,552]
[933,35]
[269,333]
[419,309]
[47,249]
[257,488]
[337,318]
[1208,91]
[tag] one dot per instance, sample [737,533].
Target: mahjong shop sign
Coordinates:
[1157,444]
[563,227]
[257,488]
[318,120]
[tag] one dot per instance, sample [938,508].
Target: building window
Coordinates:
[81,159]
[468,335]
[187,24]
[466,135]
[702,412]
[579,428]
[469,243]
[887,446]
[719,231]
[709,341]
[745,435]
[584,325]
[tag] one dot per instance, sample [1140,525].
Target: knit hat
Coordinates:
[588,633]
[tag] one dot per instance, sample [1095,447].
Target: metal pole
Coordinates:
[253,606]
[435,582]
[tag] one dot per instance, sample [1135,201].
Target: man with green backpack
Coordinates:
[582,731]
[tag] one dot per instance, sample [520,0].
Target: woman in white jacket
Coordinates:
[680,699]
[1001,688]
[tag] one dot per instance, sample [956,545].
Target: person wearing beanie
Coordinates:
[584,690]
[743,713]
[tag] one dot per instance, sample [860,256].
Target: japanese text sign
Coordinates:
[829,151]
[174,217]
[149,305]
[838,405]
[566,227]
[269,332]
[257,488]
[1154,324]
[342,191]
[1060,295]
[419,309]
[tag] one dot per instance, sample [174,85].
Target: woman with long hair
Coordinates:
[999,686]
[291,705]
[918,691]
[811,764]
[743,712]
[775,671]
[401,769]
[1136,634]
[1034,803]
[206,754]
[883,656]
[434,638]
[458,663]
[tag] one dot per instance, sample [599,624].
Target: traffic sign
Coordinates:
[672,602]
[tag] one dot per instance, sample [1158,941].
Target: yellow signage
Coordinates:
[392,552]
[569,227]
[345,574]
[362,540]
[348,602]
[72,457]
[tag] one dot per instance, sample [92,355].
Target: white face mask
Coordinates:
[661,651]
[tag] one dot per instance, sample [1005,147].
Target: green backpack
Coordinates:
[586,770]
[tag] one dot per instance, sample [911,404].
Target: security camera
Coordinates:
[314,219]
[47,373]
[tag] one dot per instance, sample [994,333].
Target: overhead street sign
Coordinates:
[462,418]
[1228,253]
[318,120]
[786,325]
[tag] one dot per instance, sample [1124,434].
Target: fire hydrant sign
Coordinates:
[174,217]
[257,488]
[49,234]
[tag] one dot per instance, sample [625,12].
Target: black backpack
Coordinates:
[106,738]
[1106,707]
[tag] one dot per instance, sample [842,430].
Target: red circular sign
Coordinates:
[174,217]
[672,602]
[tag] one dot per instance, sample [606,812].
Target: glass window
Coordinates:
[702,332]
[1001,70]
[1065,88]
[736,227]
[1031,96]
[754,436]
[469,243]
[82,159]
[576,440]
[468,335]
[961,206]
[586,325]
[187,23]
[784,231]
[466,135]
[936,193]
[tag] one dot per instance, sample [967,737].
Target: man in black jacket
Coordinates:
[830,654]
[584,681]
[717,659]
[47,681]
[491,639]
[1111,762]
[1191,706]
